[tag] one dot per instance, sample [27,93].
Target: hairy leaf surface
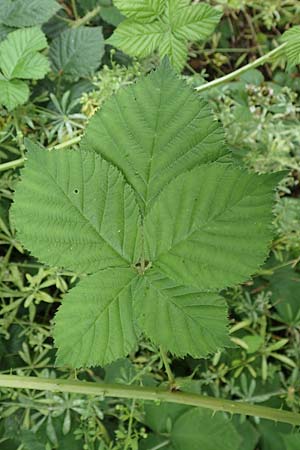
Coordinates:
[165,26]
[204,224]
[142,10]
[292,48]
[19,57]
[94,325]
[155,130]
[180,318]
[77,52]
[210,227]
[26,13]
[13,93]
[73,209]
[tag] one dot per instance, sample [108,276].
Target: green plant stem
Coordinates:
[20,161]
[12,164]
[169,373]
[74,8]
[65,144]
[129,431]
[87,18]
[148,393]
[161,445]
[238,72]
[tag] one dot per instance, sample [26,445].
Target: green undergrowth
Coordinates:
[260,115]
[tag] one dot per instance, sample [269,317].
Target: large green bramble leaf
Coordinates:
[154,131]
[163,25]
[95,323]
[73,209]
[201,225]
[210,227]
[77,52]
[180,318]
[26,13]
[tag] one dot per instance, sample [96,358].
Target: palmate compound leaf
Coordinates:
[155,130]
[163,25]
[206,229]
[210,227]
[73,209]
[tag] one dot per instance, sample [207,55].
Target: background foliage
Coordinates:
[260,113]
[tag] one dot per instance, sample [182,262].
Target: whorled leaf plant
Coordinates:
[153,210]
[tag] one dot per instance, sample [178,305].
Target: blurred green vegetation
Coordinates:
[260,113]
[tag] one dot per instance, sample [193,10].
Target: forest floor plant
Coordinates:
[152,218]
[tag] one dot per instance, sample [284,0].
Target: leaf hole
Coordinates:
[76,191]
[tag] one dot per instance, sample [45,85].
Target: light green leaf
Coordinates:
[13,93]
[292,47]
[73,209]
[94,325]
[77,52]
[137,39]
[166,26]
[180,318]
[155,130]
[26,13]
[210,228]
[199,429]
[253,342]
[19,57]
[141,10]
[196,22]
[176,49]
